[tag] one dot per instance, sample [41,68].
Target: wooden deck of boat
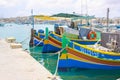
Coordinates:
[16,64]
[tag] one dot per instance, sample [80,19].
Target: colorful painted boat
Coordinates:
[73,63]
[53,43]
[82,56]
[38,36]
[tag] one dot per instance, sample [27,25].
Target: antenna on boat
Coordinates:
[32,30]
[108,18]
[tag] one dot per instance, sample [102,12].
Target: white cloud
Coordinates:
[8,3]
[95,7]
[3,2]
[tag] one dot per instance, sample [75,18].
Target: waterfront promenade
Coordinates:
[16,64]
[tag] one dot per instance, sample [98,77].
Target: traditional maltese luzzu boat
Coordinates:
[99,56]
[53,41]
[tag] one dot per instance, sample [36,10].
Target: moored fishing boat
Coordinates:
[82,36]
[104,56]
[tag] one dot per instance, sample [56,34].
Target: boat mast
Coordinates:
[32,19]
[32,30]
[87,17]
[107,18]
[81,12]
[86,7]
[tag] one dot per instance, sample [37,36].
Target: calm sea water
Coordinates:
[49,60]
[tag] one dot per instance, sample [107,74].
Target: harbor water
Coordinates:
[49,60]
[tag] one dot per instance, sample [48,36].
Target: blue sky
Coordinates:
[13,8]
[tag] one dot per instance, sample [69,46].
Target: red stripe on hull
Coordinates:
[37,37]
[55,41]
[93,59]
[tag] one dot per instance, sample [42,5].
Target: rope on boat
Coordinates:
[57,64]
[95,45]
[54,75]
[24,40]
[38,43]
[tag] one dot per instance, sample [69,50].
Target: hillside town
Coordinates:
[27,20]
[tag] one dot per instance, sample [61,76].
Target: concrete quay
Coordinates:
[16,64]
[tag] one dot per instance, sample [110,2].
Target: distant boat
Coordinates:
[2,24]
[118,26]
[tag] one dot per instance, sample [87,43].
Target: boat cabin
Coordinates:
[111,40]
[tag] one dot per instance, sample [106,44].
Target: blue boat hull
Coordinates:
[85,42]
[93,53]
[58,40]
[47,48]
[38,42]
[70,63]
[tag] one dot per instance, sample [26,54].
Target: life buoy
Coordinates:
[92,35]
